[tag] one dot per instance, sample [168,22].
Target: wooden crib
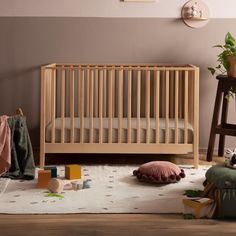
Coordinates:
[119,109]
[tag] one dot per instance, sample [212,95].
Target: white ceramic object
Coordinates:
[195,13]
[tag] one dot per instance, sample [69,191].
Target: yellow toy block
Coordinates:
[44,177]
[73,172]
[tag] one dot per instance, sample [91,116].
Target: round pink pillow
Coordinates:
[160,172]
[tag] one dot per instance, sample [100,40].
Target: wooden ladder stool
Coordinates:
[225,83]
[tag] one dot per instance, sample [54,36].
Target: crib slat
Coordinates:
[78,89]
[63,105]
[171,94]
[176,106]
[53,106]
[81,108]
[43,115]
[181,92]
[163,97]
[100,106]
[138,104]
[156,102]
[120,104]
[87,90]
[186,107]
[147,105]
[129,93]
[113,90]
[91,92]
[104,93]
[110,104]
[72,105]
[48,96]
[167,107]
[196,118]
[96,93]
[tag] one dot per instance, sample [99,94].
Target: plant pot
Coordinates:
[232,66]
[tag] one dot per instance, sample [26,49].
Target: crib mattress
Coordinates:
[162,130]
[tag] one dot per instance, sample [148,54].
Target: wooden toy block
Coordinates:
[44,177]
[76,185]
[53,170]
[73,172]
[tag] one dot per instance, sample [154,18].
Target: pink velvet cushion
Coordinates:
[160,172]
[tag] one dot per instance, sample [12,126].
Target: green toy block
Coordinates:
[53,170]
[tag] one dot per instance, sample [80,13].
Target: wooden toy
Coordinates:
[57,185]
[87,183]
[53,170]
[76,185]
[44,177]
[73,172]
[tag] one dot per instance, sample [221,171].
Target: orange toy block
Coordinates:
[73,172]
[44,177]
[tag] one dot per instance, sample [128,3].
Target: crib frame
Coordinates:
[171,91]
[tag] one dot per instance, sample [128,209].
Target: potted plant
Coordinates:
[227,58]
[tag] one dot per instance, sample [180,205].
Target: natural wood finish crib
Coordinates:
[119,109]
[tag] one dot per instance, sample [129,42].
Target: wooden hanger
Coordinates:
[19,112]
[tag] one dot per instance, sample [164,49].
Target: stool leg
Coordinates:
[214,123]
[224,116]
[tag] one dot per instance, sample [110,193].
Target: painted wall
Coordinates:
[129,33]
[109,8]
[27,43]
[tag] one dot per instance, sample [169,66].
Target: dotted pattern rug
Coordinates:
[113,190]
[3,185]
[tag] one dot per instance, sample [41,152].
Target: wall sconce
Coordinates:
[195,14]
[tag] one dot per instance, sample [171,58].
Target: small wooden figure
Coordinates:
[53,170]
[87,183]
[44,177]
[73,172]
[77,185]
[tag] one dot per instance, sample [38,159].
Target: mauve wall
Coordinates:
[28,42]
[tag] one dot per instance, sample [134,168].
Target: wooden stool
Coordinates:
[224,128]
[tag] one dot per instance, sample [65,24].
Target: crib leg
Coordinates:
[195,155]
[42,158]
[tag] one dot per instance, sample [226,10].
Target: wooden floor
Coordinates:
[112,224]
[116,224]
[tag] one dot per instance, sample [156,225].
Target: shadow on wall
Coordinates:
[21,88]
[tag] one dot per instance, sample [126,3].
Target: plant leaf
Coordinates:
[229,39]
[218,46]
[212,70]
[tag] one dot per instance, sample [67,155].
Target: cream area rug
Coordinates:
[113,190]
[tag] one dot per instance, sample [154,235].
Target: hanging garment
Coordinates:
[22,158]
[5,142]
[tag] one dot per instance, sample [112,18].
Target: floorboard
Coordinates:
[111,224]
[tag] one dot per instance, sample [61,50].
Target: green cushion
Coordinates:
[222,177]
